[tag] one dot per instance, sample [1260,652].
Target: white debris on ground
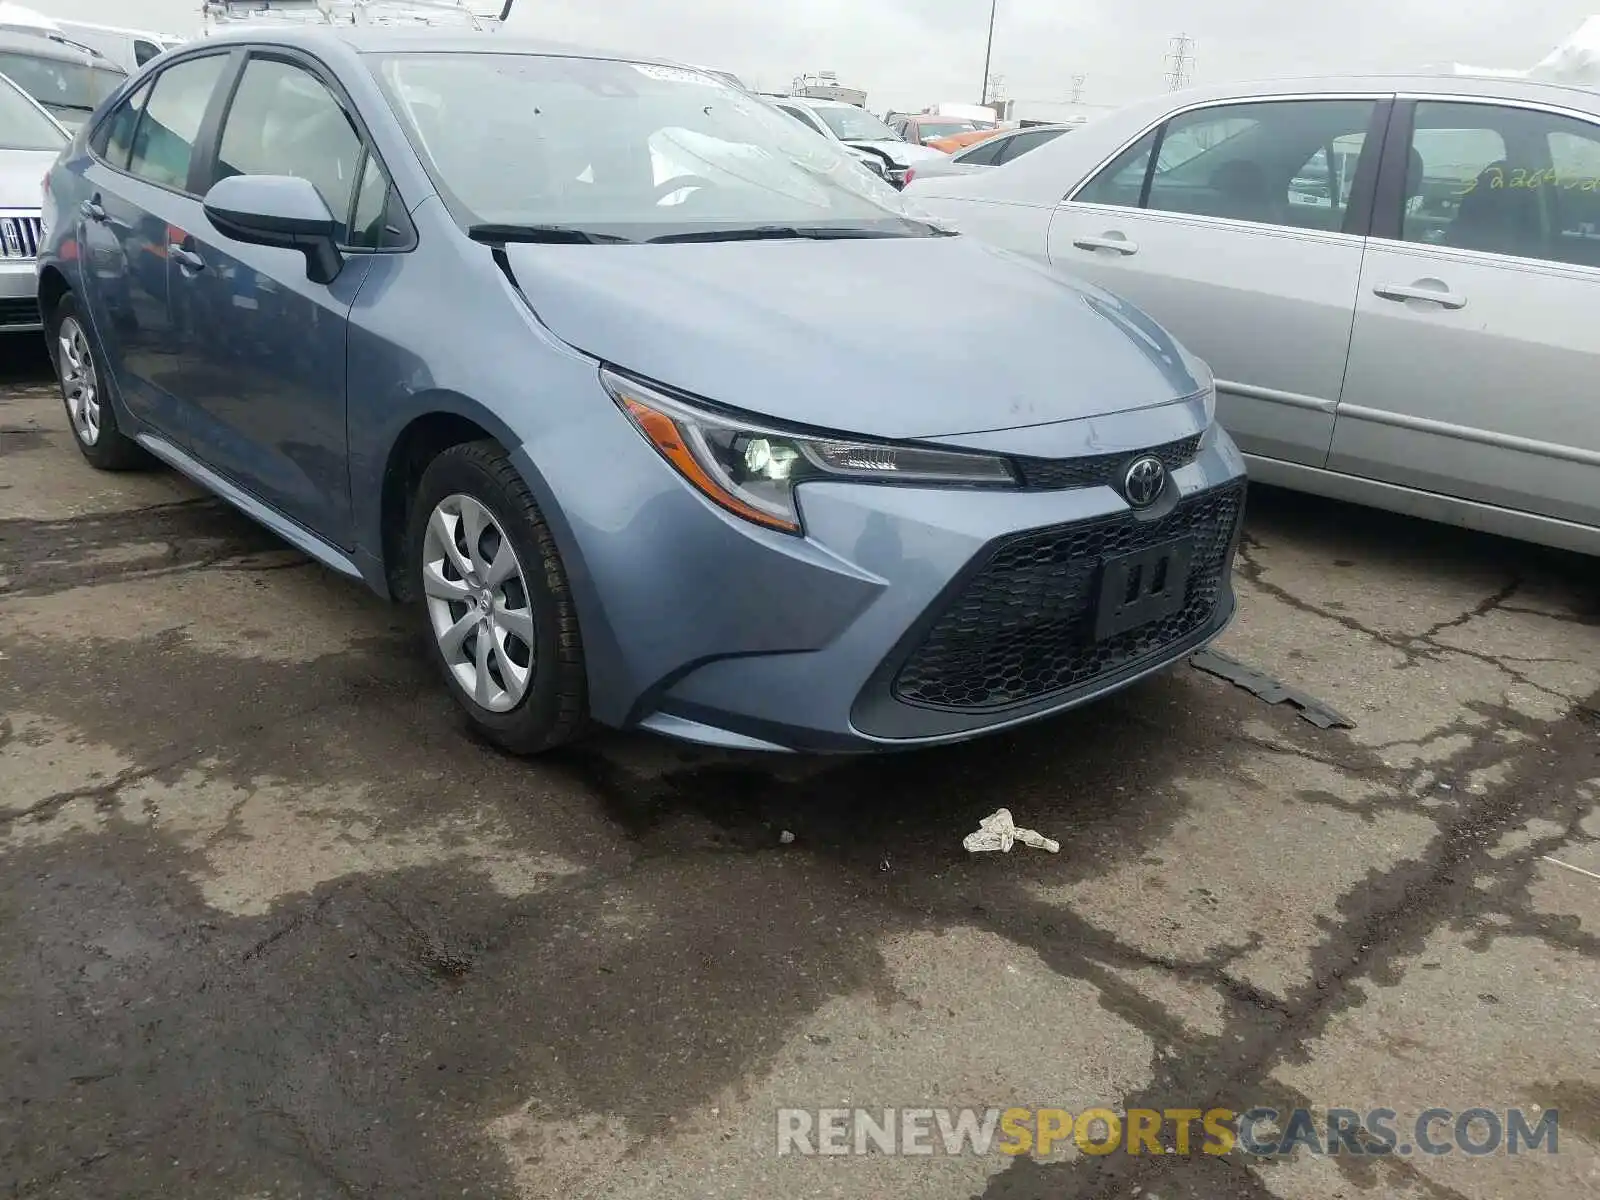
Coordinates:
[997,831]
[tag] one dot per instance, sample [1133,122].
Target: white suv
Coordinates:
[30,139]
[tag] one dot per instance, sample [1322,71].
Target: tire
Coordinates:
[552,705]
[90,413]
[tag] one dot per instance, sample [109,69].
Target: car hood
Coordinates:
[891,337]
[22,177]
[902,154]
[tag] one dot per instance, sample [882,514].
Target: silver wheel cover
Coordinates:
[478,603]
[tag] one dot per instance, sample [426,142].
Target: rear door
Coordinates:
[138,189]
[261,347]
[1200,223]
[1474,360]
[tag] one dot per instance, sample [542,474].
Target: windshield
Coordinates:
[856,125]
[24,127]
[69,90]
[631,151]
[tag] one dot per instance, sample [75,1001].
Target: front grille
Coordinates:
[20,236]
[18,312]
[1095,470]
[1022,628]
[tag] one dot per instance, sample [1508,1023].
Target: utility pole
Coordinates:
[1182,59]
[987,50]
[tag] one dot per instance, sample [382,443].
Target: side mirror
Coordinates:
[278,210]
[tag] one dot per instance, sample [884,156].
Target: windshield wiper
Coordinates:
[757,233]
[495,235]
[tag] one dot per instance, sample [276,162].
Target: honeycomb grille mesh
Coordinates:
[1022,628]
[1058,474]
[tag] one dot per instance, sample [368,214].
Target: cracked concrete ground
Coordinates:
[273,925]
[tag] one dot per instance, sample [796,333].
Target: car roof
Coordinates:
[821,102]
[395,40]
[42,45]
[1440,82]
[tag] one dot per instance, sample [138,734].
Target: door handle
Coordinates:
[1111,241]
[187,259]
[1430,290]
[92,210]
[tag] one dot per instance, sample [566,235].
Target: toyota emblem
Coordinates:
[1143,483]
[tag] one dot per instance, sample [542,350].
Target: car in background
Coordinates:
[858,128]
[68,79]
[1005,146]
[30,140]
[872,162]
[130,49]
[1393,278]
[603,369]
[922,129]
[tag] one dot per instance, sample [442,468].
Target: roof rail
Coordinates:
[222,13]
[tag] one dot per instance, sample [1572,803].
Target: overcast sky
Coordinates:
[910,53]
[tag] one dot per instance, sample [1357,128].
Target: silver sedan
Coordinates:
[1393,279]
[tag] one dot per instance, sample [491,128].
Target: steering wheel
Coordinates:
[678,182]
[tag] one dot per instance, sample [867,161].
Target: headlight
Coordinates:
[752,469]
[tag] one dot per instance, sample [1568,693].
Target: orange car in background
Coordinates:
[960,141]
[941,133]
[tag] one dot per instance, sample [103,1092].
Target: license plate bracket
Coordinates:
[1143,586]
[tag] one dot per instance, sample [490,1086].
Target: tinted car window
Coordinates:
[1512,181]
[1021,143]
[144,51]
[1240,161]
[801,115]
[1122,179]
[24,127]
[284,121]
[370,224]
[984,154]
[163,143]
[114,138]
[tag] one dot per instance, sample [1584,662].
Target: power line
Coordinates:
[1181,57]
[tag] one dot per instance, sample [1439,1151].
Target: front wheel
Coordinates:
[496,609]
[83,391]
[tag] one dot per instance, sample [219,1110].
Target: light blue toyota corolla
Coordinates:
[659,410]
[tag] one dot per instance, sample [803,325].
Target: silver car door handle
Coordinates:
[92,210]
[1440,295]
[1120,244]
[185,258]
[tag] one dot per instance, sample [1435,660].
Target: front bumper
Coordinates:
[703,627]
[19,296]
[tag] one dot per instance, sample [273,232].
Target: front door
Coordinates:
[1226,240]
[137,180]
[1474,359]
[262,348]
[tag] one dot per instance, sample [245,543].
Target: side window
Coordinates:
[376,223]
[1575,163]
[1319,191]
[284,121]
[113,140]
[1122,179]
[1503,180]
[804,117]
[1246,162]
[163,143]
[984,154]
[144,51]
[1020,144]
